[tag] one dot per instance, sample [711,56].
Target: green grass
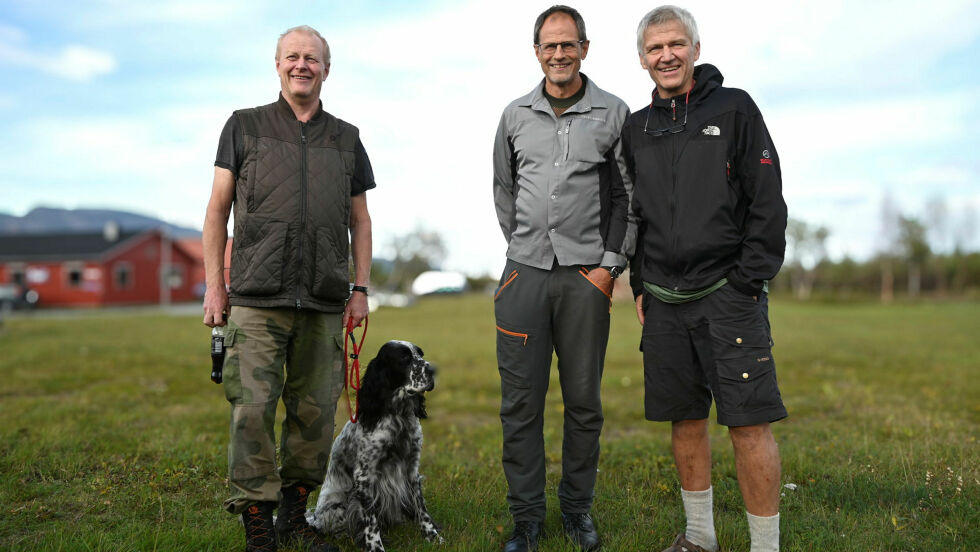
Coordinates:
[113,438]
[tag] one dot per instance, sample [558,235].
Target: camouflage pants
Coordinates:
[259,343]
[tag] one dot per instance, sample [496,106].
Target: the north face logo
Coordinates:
[711,130]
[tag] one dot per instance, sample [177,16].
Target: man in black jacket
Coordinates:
[708,197]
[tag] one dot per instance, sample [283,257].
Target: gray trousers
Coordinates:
[539,311]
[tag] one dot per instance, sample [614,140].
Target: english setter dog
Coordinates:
[373,480]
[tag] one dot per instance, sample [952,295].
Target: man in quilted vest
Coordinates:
[296,177]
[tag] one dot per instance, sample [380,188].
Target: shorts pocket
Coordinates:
[745,368]
[732,341]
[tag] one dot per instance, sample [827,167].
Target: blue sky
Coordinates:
[119,104]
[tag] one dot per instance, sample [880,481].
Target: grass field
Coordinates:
[113,438]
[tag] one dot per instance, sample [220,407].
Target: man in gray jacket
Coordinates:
[562,200]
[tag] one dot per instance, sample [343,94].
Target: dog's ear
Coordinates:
[373,394]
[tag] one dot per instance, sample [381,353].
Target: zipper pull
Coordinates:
[673,109]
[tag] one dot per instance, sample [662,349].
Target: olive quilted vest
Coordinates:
[292,209]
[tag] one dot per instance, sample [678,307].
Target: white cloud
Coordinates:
[83,64]
[74,61]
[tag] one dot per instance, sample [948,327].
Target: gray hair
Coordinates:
[571,12]
[665,14]
[310,31]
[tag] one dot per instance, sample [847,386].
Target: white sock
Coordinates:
[698,506]
[764,532]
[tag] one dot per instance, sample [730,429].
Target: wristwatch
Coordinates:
[362,289]
[614,271]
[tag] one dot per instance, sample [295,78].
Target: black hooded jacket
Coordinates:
[708,195]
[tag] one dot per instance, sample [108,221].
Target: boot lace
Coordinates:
[259,532]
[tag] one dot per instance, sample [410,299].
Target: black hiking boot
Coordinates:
[525,537]
[291,525]
[581,530]
[260,533]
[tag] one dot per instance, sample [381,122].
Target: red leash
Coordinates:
[352,372]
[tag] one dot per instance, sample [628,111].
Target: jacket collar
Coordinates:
[287,110]
[591,100]
[707,77]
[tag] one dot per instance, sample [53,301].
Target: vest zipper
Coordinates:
[302,216]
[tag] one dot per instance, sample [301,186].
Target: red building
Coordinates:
[101,269]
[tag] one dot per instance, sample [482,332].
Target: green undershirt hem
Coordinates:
[667,295]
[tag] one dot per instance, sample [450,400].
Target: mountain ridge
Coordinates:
[53,220]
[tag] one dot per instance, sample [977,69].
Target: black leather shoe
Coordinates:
[525,537]
[580,529]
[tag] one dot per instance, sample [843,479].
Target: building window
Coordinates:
[173,275]
[74,275]
[18,274]
[122,276]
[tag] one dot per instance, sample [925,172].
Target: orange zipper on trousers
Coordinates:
[515,334]
[510,278]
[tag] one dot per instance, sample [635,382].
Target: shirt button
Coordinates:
[556,163]
[745,375]
[738,340]
[554,196]
[552,230]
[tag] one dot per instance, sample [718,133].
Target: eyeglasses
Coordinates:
[671,129]
[552,47]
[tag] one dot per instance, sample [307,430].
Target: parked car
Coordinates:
[15,296]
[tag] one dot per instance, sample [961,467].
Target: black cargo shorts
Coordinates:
[717,347]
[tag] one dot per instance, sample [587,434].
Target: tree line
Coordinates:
[924,256]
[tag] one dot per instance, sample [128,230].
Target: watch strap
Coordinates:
[614,271]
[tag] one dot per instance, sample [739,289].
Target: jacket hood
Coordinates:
[707,78]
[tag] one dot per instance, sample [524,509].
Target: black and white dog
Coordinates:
[373,480]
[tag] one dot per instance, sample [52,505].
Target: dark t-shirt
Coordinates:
[231,153]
